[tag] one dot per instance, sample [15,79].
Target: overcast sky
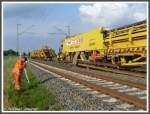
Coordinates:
[51,17]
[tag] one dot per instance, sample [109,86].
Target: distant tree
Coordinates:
[10,52]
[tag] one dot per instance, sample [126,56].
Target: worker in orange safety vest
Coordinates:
[94,54]
[17,71]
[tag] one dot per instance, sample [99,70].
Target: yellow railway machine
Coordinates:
[125,46]
[42,54]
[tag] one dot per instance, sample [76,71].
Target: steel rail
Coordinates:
[92,66]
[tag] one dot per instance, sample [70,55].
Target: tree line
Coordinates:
[11,52]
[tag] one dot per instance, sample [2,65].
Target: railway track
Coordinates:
[103,68]
[113,68]
[132,93]
[107,74]
[104,77]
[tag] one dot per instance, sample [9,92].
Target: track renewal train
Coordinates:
[124,46]
[44,53]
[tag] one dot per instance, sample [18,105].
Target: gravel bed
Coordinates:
[71,97]
[108,74]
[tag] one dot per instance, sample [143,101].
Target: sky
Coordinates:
[38,20]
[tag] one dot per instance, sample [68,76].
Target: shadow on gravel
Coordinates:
[36,84]
[45,80]
[50,78]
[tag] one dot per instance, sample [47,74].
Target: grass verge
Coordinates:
[33,96]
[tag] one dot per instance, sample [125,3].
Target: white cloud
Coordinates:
[139,16]
[108,14]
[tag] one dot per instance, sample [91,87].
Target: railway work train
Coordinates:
[45,53]
[123,46]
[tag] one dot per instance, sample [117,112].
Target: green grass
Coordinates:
[32,96]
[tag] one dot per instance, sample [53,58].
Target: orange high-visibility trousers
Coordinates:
[17,71]
[17,78]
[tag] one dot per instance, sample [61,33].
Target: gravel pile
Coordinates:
[71,97]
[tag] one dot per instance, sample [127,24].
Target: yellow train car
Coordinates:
[124,46]
[127,45]
[44,53]
[34,54]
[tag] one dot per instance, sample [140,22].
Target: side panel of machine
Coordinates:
[133,36]
[92,40]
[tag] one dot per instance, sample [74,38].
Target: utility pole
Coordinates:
[18,38]
[20,33]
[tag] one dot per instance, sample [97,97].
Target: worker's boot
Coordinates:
[17,87]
